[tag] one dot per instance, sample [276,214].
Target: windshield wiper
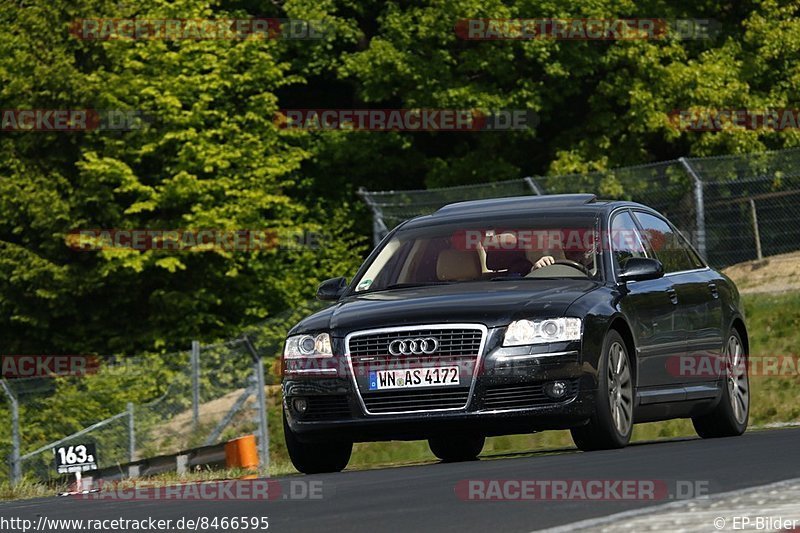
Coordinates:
[395,286]
[416,284]
[510,278]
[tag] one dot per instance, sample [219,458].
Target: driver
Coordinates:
[543,258]
[503,255]
[546,260]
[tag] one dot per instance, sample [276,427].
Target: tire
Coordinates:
[457,448]
[611,424]
[729,418]
[316,458]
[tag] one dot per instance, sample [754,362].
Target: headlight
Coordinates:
[524,332]
[300,346]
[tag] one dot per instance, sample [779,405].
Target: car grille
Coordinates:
[452,342]
[522,396]
[327,408]
[458,346]
[416,400]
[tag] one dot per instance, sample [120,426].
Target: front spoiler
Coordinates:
[571,413]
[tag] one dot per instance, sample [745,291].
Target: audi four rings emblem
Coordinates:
[417,346]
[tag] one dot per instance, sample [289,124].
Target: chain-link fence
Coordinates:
[203,396]
[112,436]
[32,398]
[733,208]
[211,399]
[139,407]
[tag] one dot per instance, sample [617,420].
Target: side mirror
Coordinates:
[331,289]
[640,269]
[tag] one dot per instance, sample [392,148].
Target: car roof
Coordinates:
[512,203]
[555,204]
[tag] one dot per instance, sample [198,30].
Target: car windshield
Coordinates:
[491,249]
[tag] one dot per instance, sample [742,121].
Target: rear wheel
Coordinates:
[612,422]
[316,458]
[457,448]
[729,418]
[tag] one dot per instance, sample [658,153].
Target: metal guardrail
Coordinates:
[181,462]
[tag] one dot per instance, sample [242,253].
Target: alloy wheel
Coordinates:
[738,384]
[620,388]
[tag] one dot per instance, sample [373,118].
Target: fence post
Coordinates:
[700,210]
[131,434]
[533,185]
[195,363]
[16,466]
[755,229]
[262,405]
[379,228]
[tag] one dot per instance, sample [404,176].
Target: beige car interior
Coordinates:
[458,265]
[464,265]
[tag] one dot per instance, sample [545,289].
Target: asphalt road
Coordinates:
[423,498]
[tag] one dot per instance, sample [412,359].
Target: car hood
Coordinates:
[493,304]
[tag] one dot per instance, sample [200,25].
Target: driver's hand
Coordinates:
[544,261]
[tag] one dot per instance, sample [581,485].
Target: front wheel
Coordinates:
[612,422]
[729,418]
[316,458]
[456,448]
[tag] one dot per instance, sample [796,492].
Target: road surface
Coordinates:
[424,498]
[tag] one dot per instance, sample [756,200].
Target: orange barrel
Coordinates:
[242,453]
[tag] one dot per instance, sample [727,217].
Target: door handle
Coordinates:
[714,291]
[673,296]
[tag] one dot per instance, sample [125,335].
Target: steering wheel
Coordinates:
[570,263]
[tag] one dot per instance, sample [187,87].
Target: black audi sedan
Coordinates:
[517,315]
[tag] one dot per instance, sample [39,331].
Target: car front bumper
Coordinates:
[507,397]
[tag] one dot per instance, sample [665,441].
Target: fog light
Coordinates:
[300,405]
[556,389]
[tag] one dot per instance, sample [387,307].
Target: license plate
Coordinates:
[414,378]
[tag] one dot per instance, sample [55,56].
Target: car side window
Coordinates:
[694,257]
[669,246]
[625,239]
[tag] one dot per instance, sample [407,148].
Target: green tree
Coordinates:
[211,157]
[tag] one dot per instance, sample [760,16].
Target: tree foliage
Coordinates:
[211,155]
